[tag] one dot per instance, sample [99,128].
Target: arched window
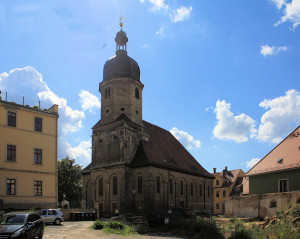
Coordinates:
[105,92]
[115,185]
[192,189]
[200,190]
[157,184]
[171,186]
[100,187]
[137,93]
[181,187]
[108,92]
[140,184]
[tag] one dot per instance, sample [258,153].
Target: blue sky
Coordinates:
[222,76]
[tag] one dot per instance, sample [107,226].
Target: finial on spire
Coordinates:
[121,23]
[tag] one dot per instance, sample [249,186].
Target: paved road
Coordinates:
[81,230]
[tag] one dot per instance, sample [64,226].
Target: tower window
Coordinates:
[137,93]
[122,109]
[107,92]
[137,112]
[107,111]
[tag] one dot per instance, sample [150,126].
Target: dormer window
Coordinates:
[280,161]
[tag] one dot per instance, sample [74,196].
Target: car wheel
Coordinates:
[41,234]
[57,221]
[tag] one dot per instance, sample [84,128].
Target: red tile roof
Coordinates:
[164,150]
[286,155]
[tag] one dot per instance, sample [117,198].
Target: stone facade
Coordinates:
[156,194]
[137,167]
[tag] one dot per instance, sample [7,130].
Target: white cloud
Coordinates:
[282,115]
[158,4]
[186,139]
[82,151]
[279,3]
[252,162]
[29,83]
[88,101]
[230,127]
[180,14]
[291,11]
[272,50]
[160,31]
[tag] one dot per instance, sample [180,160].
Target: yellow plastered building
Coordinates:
[28,156]
[226,184]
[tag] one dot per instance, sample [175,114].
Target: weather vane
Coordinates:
[121,23]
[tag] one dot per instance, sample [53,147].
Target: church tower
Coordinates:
[121,89]
[117,134]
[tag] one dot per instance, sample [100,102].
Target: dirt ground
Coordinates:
[74,230]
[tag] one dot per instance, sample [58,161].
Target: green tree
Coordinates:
[69,181]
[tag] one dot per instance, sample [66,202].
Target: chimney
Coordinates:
[224,171]
[215,169]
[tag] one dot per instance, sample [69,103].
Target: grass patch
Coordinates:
[114,227]
[190,228]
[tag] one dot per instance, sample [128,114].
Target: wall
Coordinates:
[253,206]
[24,170]
[268,183]
[148,200]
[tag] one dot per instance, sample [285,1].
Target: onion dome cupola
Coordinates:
[121,65]
[121,88]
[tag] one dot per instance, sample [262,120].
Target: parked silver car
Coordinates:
[54,216]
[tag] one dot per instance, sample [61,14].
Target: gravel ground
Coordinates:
[74,230]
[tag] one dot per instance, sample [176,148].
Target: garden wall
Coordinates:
[261,205]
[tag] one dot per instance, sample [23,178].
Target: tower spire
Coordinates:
[121,23]
[121,39]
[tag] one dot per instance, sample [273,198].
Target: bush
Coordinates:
[116,225]
[98,225]
[296,211]
[240,234]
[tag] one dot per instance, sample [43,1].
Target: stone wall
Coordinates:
[129,199]
[261,205]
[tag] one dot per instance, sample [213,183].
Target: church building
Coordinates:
[138,167]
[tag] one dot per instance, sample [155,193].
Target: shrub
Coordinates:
[240,234]
[296,211]
[116,225]
[98,225]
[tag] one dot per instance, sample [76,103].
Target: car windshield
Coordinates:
[13,219]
